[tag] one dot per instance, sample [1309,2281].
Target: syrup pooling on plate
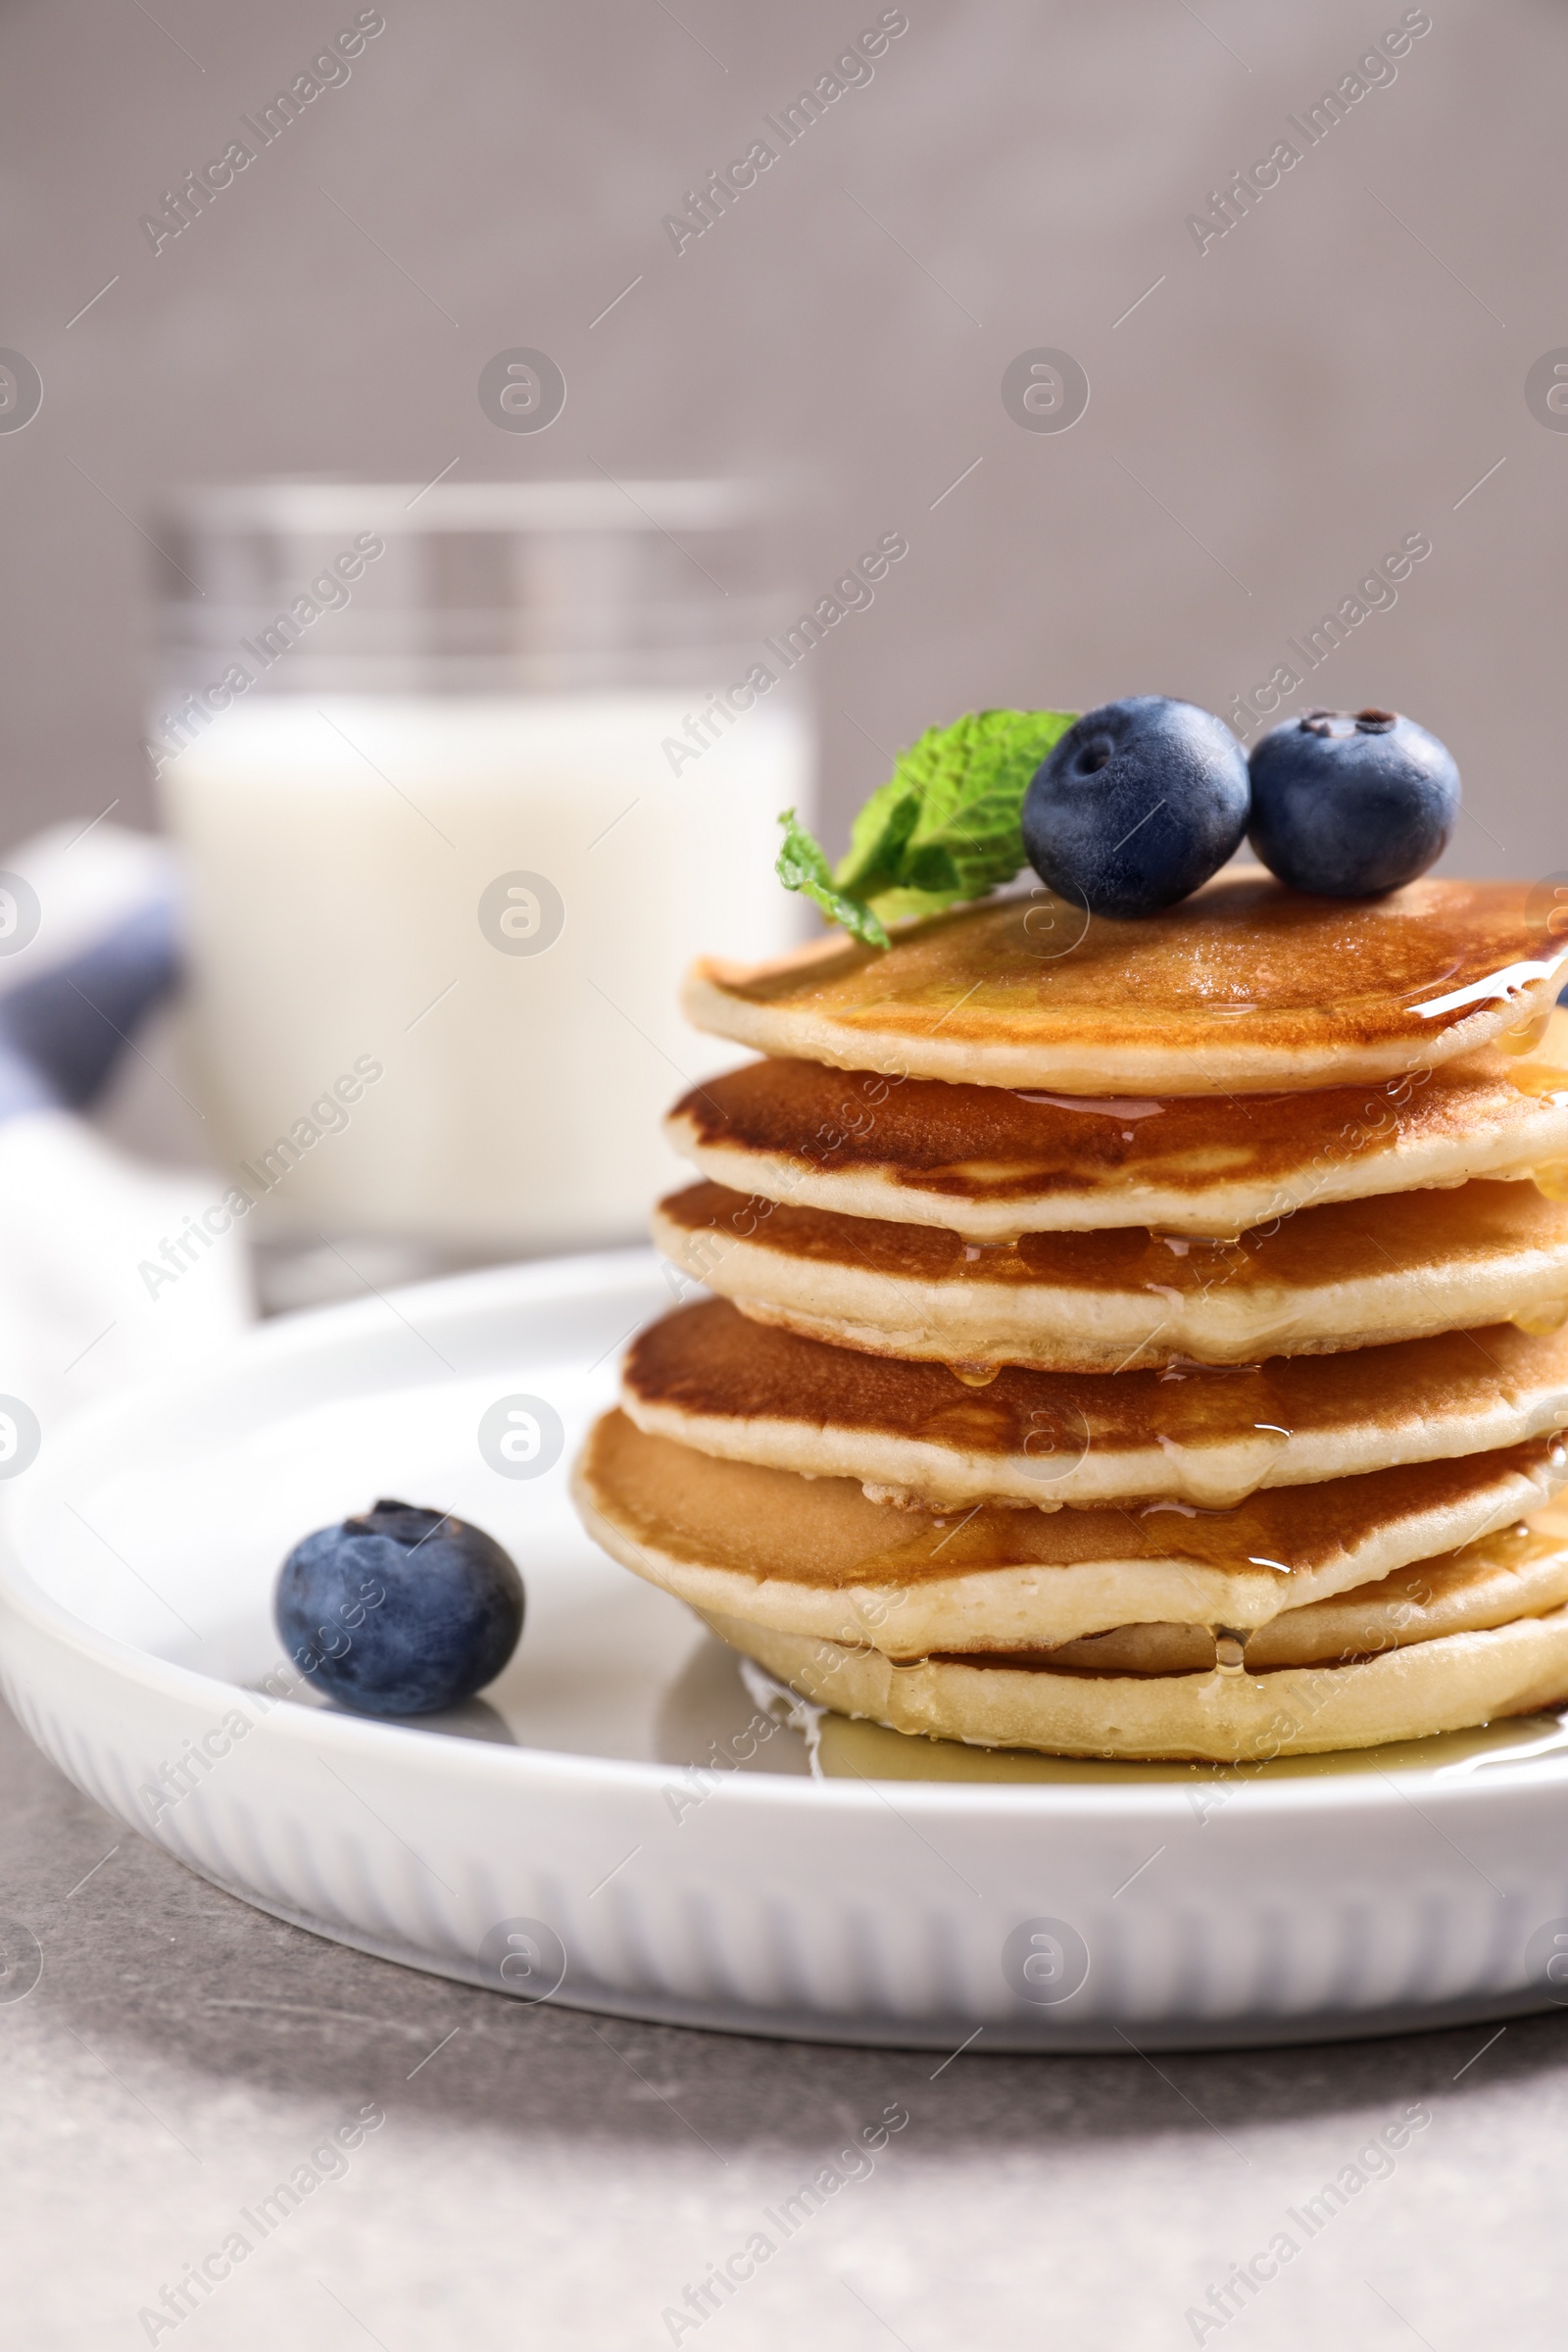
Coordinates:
[865,1752]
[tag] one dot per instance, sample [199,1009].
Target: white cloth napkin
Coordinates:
[89,942]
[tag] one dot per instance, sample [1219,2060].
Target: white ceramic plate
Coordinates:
[622,1825]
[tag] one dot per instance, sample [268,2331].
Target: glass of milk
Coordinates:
[463,778]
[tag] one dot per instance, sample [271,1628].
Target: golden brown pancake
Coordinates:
[1243,987]
[1409,1692]
[711,1377]
[990,1163]
[1354,1274]
[814,1557]
[1520,1572]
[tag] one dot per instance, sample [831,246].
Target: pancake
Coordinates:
[1243,987]
[990,1163]
[1356,1274]
[1446,1685]
[1521,1572]
[814,1557]
[712,1378]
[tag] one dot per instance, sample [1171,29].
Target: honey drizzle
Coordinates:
[1529,1034]
[1541,1322]
[1236,1403]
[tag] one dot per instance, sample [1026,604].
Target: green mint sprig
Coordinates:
[801,865]
[944,827]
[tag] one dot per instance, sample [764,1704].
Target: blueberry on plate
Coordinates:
[401,1611]
[1351,803]
[1139,803]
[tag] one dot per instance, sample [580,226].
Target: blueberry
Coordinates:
[401,1611]
[1140,802]
[1351,803]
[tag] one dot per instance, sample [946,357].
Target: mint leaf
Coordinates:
[801,865]
[947,822]
[945,826]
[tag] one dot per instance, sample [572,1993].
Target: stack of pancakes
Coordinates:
[1131,1338]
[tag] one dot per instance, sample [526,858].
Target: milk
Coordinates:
[449,1053]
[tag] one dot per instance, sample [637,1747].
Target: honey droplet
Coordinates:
[980,1376]
[1541,1322]
[1229,1650]
[1529,1033]
[1552,1180]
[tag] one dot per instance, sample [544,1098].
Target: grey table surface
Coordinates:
[543,2177]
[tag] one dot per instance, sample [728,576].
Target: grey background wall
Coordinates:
[1334,373]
